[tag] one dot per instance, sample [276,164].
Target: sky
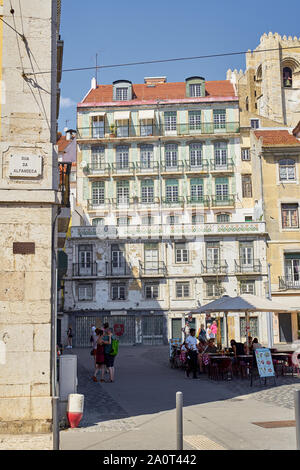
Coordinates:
[122,32]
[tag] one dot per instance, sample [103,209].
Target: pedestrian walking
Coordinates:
[70,337]
[191,344]
[214,329]
[108,356]
[201,333]
[95,337]
[100,359]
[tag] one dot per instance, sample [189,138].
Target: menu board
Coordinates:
[264,362]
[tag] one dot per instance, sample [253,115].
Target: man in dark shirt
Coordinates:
[238,348]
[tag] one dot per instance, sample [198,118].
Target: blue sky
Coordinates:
[121,32]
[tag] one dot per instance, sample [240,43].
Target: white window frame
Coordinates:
[170,121]
[85,292]
[181,253]
[182,290]
[154,289]
[286,165]
[121,93]
[246,155]
[121,289]
[195,90]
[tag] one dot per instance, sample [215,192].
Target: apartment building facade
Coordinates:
[169,224]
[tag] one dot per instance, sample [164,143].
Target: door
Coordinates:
[117,260]
[85,255]
[285,328]
[152,329]
[212,256]
[151,259]
[246,256]
[176,328]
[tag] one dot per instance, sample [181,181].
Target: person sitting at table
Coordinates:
[210,348]
[192,355]
[238,348]
[255,344]
[201,347]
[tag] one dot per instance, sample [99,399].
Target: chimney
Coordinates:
[152,81]
[94,84]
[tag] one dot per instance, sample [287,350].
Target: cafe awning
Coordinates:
[146,114]
[121,115]
[98,113]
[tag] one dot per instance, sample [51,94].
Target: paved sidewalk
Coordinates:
[138,410]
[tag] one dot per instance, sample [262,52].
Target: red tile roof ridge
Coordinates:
[276,137]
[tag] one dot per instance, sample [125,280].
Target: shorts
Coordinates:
[109,360]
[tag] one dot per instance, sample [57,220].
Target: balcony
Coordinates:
[222,200]
[157,269]
[227,167]
[85,270]
[172,168]
[173,201]
[214,269]
[289,282]
[196,168]
[120,169]
[198,200]
[158,230]
[118,270]
[145,168]
[97,170]
[254,267]
[95,204]
[154,130]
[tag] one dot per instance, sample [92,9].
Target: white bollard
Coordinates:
[75,409]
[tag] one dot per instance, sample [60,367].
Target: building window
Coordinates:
[289,214]
[287,170]
[196,155]
[246,254]
[292,269]
[182,290]
[122,94]
[98,157]
[220,151]
[98,195]
[171,191]
[171,156]
[195,120]
[147,191]
[146,156]
[122,157]
[287,77]
[118,291]
[147,220]
[222,187]
[198,219]
[152,290]
[247,287]
[195,90]
[97,127]
[248,218]
[212,254]
[223,218]
[98,221]
[254,123]
[85,292]
[213,289]
[246,156]
[173,219]
[219,118]
[196,190]
[122,192]
[170,122]
[246,185]
[247,103]
[181,253]
[253,321]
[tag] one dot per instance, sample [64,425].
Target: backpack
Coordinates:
[114,347]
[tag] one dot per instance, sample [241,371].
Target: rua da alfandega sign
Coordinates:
[25,166]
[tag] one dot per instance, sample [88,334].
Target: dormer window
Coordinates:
[195,87]
[122,94]
[122,90]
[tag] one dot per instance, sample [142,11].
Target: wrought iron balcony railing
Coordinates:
[221,267]
[97,203]
[125,131]
[173,200]
[221,167]
[153,269]
[171,167]
[289,282]
[197,166]
[117,270]
[254,266]
[86,269]
[222,200]
[202,200]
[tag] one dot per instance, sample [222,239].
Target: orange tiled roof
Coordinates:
[272,138]
[62,143]
[172,91]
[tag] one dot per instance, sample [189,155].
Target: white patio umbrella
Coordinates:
[247,303]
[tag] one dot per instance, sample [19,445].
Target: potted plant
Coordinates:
[112,129]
